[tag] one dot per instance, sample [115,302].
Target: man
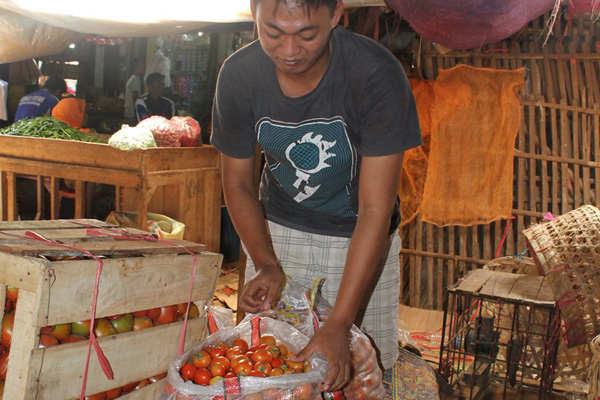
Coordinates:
[333,112]
[133,90]
[42,101]
[153,102]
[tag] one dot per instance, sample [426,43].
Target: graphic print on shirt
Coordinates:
[313,161]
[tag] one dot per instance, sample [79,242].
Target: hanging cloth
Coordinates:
[476,116]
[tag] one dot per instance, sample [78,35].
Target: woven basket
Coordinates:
[567,251]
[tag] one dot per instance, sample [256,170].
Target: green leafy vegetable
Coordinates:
[47,127]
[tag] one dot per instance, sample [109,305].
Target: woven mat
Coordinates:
[410,379]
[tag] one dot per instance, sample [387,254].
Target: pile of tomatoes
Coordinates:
[216,362]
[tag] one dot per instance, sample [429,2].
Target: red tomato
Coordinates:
[129,387]
[114,393]
[232,352]
[142,383]
[274,350]
[241,343]
[229,374]
[221,360]
[303,391]
[47,340]
[97,396]
[156,378]
[8,306]
[277,362]
[202,359]
[223,346]
[12,293]
[258,347]
[238,359]
[202,377]
[257,373]
[73,338]
[218,369]
[243,368]
[187,371]
[283,350]
[267,339]
[263,367]
[167,315]
[153,313]
[4,365]
[262,355]
[215,351]
[142,313]
[276,371]
[7,329]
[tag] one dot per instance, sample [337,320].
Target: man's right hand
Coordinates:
[262,291]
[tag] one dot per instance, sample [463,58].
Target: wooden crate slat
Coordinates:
[163,280]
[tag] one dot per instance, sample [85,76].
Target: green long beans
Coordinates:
[47,127]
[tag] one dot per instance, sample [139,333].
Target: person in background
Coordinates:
[153,102]
[71,110]
[42,101]
[333,113]
[133,90]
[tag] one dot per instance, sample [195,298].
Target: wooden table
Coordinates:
[183,183]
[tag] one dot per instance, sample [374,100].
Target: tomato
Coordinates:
[9,305]
[142,323]
[61,331]
[218,369]
[294,364]
[103,327]
[215,379]
[129,387]
[238,359]
[277,362]
[124,323]
[283,350]
[202,359]
[7,327]
[232,352]
[257,373]
[267,339]
[142,313]
[229,374]
[12,293]
[153,313]
[274,350]
[182,308]
[223,346]
[262,355]
[258,347]
[215,351]
[113,393]
[263,367]
[167,315]
[188,371]
[47,340]
[202,377]
[241,343]
[303,391]
[221,360]
[81,328]
[306,367]
[156,378]
[243,368]
[142,383]
[4,365]
[276,371]
[97,396]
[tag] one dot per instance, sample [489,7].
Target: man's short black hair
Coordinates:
[55,84]
[309,4]
[154,77]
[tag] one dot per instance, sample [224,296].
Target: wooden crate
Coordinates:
[54,292]
[181,182]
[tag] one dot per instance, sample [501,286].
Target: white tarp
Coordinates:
[31,28]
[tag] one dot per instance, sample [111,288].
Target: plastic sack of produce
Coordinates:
[131,138]
[165,133]
[188,129]
[293,321]
[300,385]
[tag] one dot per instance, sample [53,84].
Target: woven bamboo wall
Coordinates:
[557,152]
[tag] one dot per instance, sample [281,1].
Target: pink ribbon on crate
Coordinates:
[104,363]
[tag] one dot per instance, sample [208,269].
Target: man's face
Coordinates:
[295,38]
[155,89]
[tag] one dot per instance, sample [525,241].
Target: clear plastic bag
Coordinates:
[288,386]
[132,138]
